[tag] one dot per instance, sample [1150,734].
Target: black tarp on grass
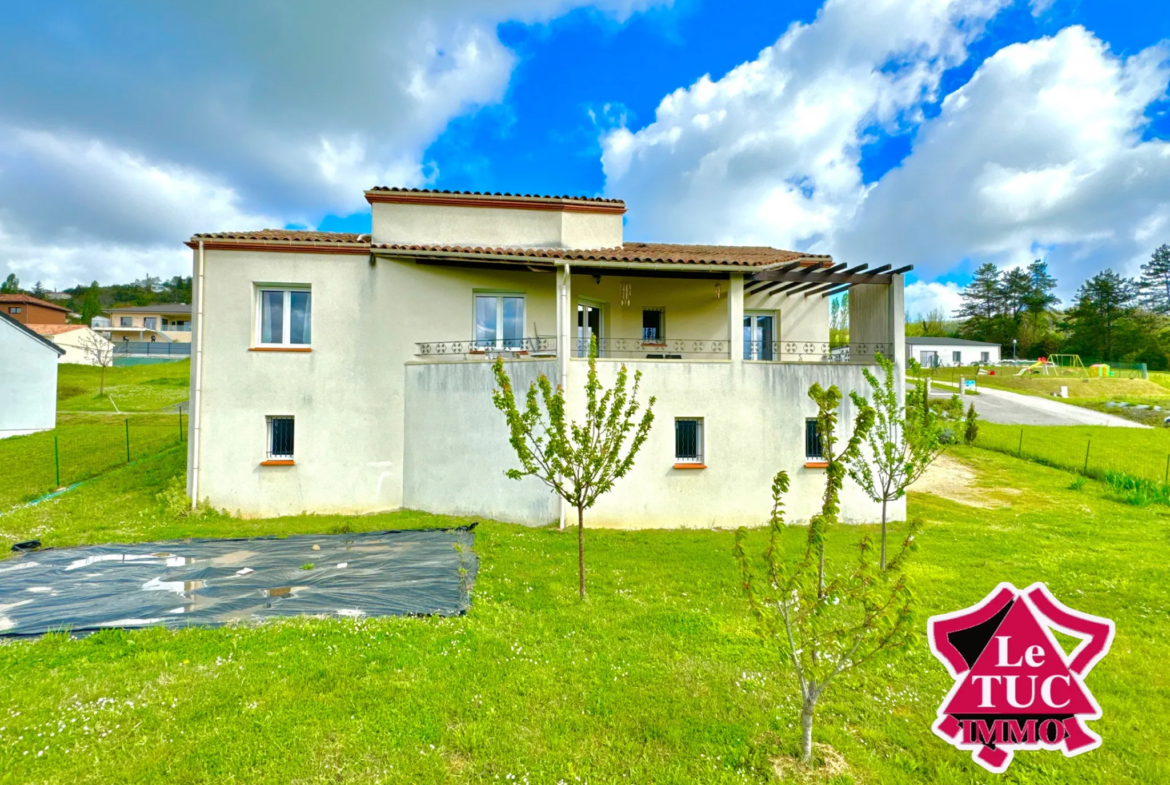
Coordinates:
[208,583]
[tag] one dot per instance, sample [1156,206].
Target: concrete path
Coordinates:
[1010,408]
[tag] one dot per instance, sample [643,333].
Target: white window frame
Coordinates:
[985,357]
[268,453]
[499,295]
[286,331]
[754,352]
[15,309]
[146,322]
[700,438]
[957,357]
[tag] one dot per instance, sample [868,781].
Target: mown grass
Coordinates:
[1047,386]
[136,388]
[80,447]
[1136,452]
[657,677]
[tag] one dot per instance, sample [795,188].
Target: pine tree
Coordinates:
[982,304]
[1098,319]
[1155,281]
[1043,287]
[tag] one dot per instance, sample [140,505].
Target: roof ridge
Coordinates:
[503,194]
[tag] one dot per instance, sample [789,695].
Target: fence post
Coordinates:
[180,425]
[127,440]
[1166,479]
[1020,449]
[57,461]
[1087,446]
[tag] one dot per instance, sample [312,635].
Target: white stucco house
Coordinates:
[348,373]
[28,380]
[935,352]
[81,344]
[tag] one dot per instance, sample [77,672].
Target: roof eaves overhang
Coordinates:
[553,262]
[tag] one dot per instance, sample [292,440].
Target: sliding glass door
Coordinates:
[588,326]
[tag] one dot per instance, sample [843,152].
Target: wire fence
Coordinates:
[1120,456]
[84,447]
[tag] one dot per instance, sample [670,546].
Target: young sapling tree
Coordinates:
[100,352]
[901,445]
[825,628]
[582,461]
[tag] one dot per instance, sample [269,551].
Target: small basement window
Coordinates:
[654,325]
[688,440]
[812,441]
[281,431]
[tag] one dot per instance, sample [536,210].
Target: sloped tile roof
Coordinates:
[646,253]
[26,299]
[55,329]
[287,235]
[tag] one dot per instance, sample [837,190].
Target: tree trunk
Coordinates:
[806,723]
[581,549]
[883,534]
[102,384]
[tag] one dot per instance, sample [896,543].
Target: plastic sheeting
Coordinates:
[208,583]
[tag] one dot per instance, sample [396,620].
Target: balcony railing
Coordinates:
[814,351]
[659,349]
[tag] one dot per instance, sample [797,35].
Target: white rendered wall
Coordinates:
[754,413]
[28,383]
[422,224]
[969,355]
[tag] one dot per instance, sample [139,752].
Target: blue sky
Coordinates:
[941,133]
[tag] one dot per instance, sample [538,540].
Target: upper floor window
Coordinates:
[285,316]
[125,321]
[15,309]
[499,321]
[150,322]
[654,324]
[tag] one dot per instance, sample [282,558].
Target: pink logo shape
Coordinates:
[1015,687]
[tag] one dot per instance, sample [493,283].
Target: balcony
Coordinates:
[666,349]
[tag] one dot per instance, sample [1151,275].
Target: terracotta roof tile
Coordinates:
[393,189]
[647,253]
[55,329]
[287,235]
[30,300]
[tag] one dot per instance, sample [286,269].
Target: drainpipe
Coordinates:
[564,341]
[197,387]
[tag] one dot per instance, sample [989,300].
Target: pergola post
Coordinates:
[735,317]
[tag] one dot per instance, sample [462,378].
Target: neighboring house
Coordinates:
[158,322]
[58,296]
[27,309]
[75,339]
[348,373]
[933,352]
[28,379]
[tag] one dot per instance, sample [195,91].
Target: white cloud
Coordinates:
[922,297]
[771,152]
[1041,150]
[122,133]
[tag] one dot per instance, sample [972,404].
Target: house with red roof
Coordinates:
[348,373]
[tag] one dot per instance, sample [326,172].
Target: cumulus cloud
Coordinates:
[771,152]
[1042,149]
[923,297]
[1043,153]
[124,131]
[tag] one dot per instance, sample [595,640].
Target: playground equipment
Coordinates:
[1056,365]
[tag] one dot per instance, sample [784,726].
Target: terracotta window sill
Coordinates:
[816,464]
[690,466]
[278,463]
[280,349]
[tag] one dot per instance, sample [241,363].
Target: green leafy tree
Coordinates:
[1103,316]
[1154,283]
[582,461]
[91,306]
[901,446]
[826,628]
[11,285]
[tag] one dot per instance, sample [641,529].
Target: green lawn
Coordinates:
[658,677]
[1047,386]
[1137,452]
[80,447]
[136,388]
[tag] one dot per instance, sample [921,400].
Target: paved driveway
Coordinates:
[1010,408]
